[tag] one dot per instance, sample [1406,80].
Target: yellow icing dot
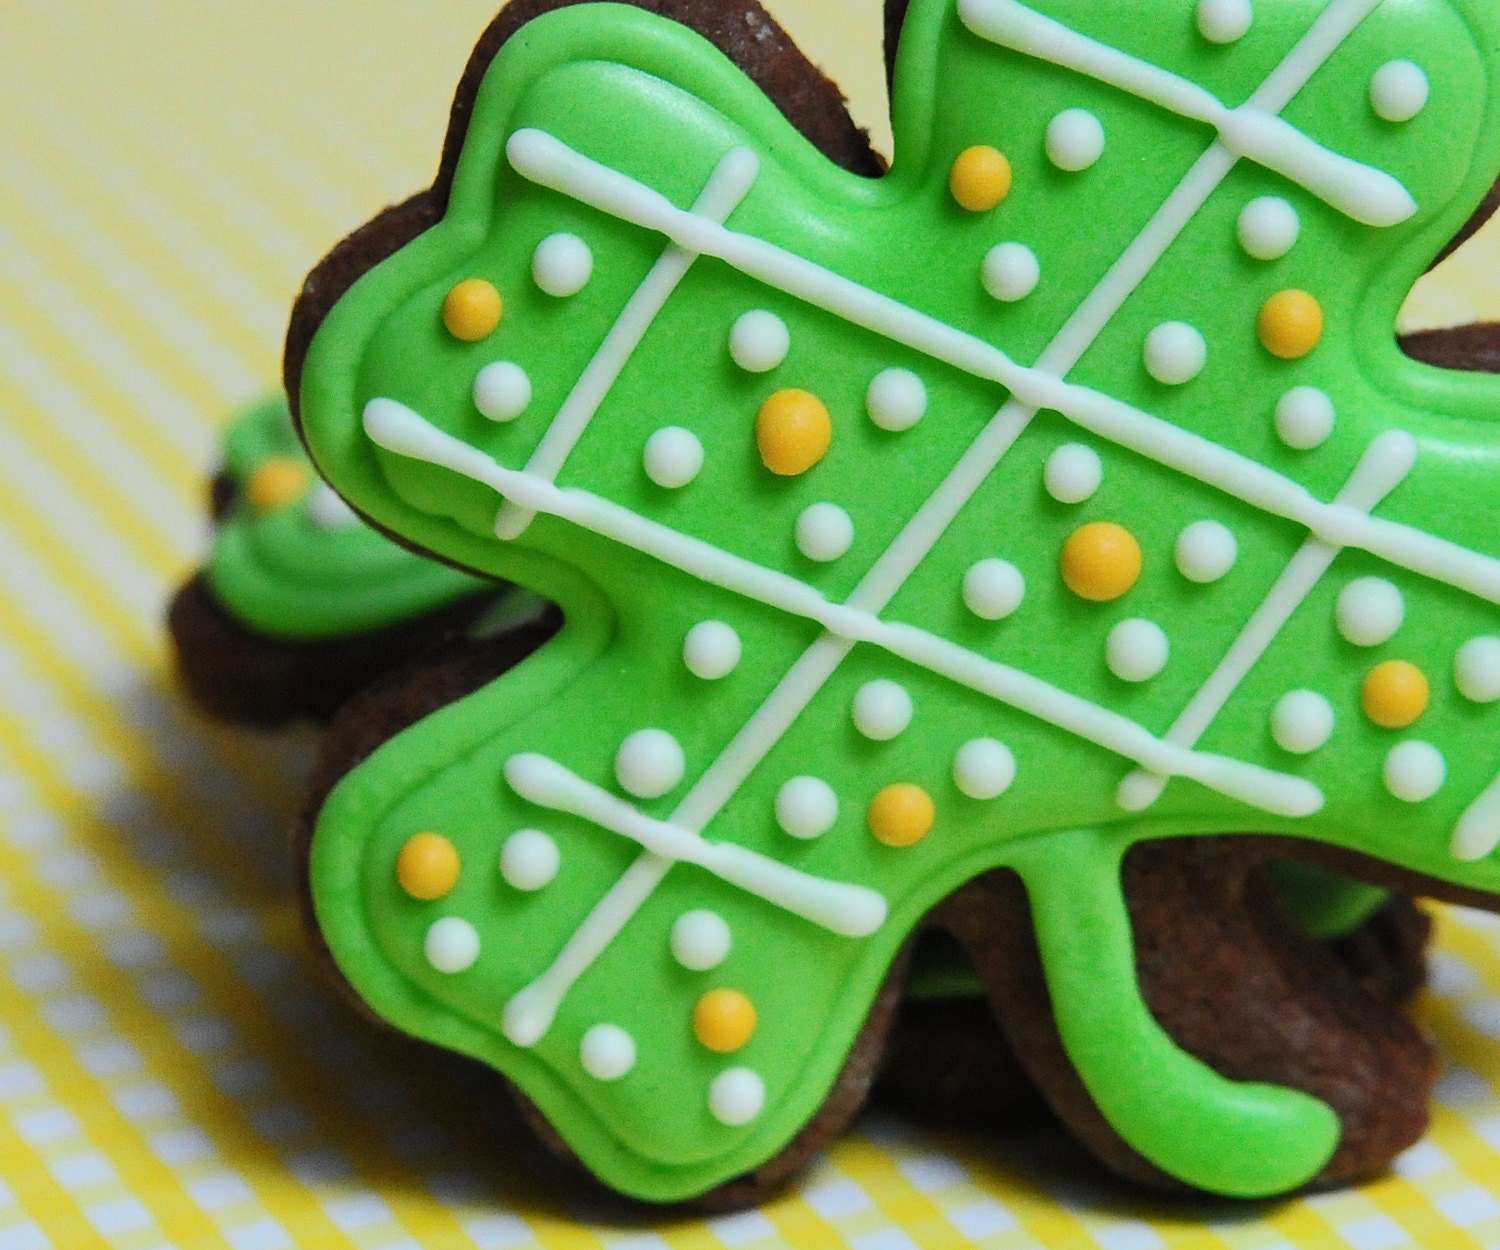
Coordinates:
[277,481]
[980,179]
[472,310]
[1101,561]
[427,867]
[1291,324]
[901,814]
[724,1020]
[1395,694]
[793,432]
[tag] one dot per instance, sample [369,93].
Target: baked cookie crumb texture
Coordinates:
[1062,490]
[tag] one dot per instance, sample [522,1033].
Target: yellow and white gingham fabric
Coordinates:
[172,1070]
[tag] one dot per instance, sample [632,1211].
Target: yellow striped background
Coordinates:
[172,1072]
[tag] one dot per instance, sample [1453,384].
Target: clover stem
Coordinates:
[1241,1139]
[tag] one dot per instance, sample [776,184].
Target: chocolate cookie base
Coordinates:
[248,678]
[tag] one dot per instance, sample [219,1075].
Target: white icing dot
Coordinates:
[327,510]
[1304,418]
[1476,671]
[1175,353]
[649,763]
[984,768]
[502,390]
[1075,140]
[673,457]
[1269,227]
[993,589]
[1073,473]
[736,1096]
[1206,551]
[451,944]
[711,650]
[759,341]
[824,532]
[806,807]
[1415,771]
[1011,272]
[700,940]
[1136,650]
[529,859]
[1370,611]
[896,400]
[1224,21]
[1302,722]
[1399,91]
[882,709]
[607,1052]
[562,264]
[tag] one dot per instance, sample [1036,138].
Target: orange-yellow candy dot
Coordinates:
[724,1020]
[1395,694]
[472,310]
[980,179]
[1101,561]
[901,814]
[1291,324]
[427,867]
[278,481]
[793,432]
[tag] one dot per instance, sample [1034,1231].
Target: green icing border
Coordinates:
[1241,1139]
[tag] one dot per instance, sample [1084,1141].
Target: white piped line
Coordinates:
[848,910]
[551,163]
[1387,462]
[1478,830]
[526,1018]
[727,187]
[397,428]
[1368,195]
[530,1013]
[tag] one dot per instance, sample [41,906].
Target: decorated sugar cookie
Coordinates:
[300,603]
[957,542]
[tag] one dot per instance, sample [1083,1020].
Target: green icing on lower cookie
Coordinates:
[940,968]
[899,540]
[1324,903]
[292,560]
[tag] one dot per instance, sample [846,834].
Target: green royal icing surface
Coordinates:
[1324,903]
[283,573]
[653,101]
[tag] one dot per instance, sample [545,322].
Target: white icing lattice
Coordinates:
[1254,131]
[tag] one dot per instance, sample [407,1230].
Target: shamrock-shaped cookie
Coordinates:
[967,542]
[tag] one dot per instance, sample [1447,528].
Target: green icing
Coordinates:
[656,103]
[1324,903]
[282,573]
[940,968]
[1269,1139]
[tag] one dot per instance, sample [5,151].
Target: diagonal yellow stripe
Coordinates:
[269,1041]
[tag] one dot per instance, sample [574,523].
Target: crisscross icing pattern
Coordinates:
[701,243]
